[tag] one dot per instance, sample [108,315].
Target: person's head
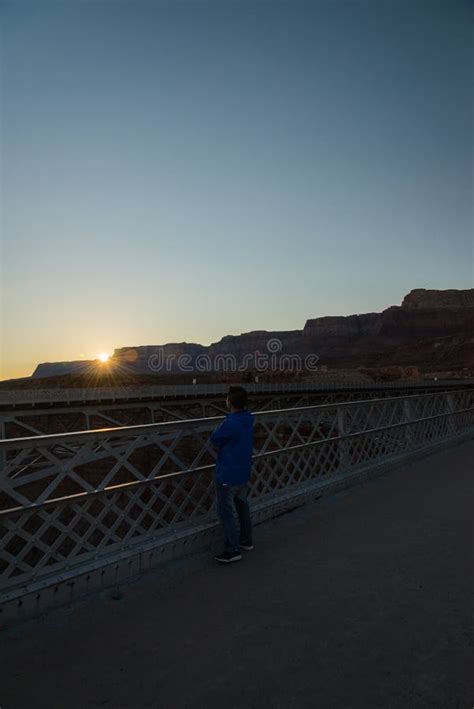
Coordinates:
[236,399]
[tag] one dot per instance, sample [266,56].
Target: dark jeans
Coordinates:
[230,497]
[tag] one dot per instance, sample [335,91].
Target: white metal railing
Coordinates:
[70,499]
[79,395]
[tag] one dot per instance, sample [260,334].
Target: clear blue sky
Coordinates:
[183,170]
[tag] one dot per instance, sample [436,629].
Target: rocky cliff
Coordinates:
[430,328]
[54,369]
[341,327]
[422,298]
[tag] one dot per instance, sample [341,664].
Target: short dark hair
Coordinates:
[237,397]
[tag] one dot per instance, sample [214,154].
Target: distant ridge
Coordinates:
[431,328]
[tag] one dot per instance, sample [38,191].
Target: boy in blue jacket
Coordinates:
[233,440]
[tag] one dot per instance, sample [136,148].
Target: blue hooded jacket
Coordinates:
[234,442]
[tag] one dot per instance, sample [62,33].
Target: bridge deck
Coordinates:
[362,600]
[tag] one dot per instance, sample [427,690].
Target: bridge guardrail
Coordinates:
[78,395]
[76,500]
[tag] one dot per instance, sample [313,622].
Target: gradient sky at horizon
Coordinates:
[184,170]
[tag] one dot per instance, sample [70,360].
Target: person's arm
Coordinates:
[222,434]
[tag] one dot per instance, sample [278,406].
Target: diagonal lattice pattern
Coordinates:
[45,412]
[69,499]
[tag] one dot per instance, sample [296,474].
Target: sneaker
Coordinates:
[247,547]
[226,557]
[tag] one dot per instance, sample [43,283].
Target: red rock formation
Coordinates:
[431,329]
[340,326]
[422,298]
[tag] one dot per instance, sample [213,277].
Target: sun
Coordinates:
[103,357]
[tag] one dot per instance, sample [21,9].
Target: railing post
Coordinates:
[408,412]
[450,407]
[343,446]
[3,457]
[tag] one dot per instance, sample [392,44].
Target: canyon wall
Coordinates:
[430,328]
